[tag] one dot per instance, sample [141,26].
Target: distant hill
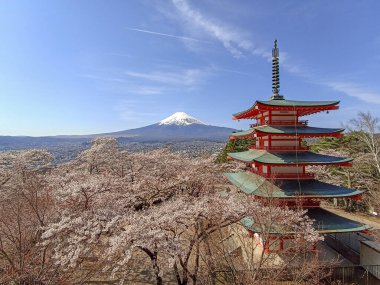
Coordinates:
[179,127]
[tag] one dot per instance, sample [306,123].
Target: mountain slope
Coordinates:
[173,132]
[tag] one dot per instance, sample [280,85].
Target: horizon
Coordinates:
[155,123]
[131,64]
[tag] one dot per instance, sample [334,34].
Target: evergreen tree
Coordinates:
[234,146]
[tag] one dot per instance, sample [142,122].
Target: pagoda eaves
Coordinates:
[288,158]
[254,184]
[301,107]
[324,221]
[301,131]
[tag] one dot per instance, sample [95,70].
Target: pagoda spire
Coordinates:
[275,74]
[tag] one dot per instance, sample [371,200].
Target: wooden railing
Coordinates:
[291,176]
[281,148]
[282,123]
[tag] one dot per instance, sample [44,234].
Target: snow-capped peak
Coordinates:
[180,119]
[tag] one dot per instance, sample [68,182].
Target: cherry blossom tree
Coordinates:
[25,206]
[367,128]
[115,204]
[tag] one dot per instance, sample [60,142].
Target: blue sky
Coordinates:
[92,66]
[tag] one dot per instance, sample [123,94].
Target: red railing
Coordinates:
[282,123]
[283,175]
[290,123]
[281,148]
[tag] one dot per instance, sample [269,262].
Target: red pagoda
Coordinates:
[277,163]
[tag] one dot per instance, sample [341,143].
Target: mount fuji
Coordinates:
[180,119]
[177,127]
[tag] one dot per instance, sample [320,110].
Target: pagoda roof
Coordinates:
[251,183]
[270,157]
[308,107]
[324,222]
[242,134]
[292,103]
[287,130]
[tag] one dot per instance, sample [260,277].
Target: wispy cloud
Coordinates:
[103,78]
[129,111]
[166,35]
[235,41]
[240,44]
[355,91]
[163,80]
[187,77]
[122,85]
[148,90]
[159,82]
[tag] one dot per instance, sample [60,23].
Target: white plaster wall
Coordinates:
[285,143]
[284,118]
[284,112]
[289,169]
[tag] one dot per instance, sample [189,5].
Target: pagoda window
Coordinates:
[284,143]
[274,245]
[289,244]
[274,112]
[262,115]
[283,118]
[283,137]
[288,169]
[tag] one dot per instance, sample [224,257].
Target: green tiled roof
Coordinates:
[291,103]
[272,129]
[243,133]
[324,222]
[304,157]
[254,184]
[296,130]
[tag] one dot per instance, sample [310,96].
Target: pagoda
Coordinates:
[276,164]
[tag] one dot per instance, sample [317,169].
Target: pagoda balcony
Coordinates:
[301,123]
[281,148]
[292,176]
[289,123]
